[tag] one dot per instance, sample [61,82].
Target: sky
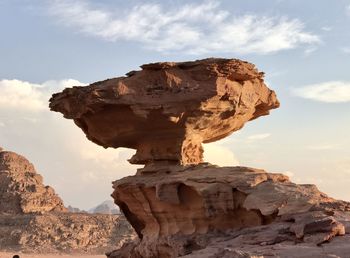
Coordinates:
[302,46]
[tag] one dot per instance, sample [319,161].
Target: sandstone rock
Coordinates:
[167,110]
[180,206]
[22,189]
[207,211]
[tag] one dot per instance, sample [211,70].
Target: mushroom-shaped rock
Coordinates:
[167,110]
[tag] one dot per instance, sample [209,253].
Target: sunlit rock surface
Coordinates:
[167,110]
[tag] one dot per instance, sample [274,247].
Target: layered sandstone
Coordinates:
[207,211]
[167,110]
[22,189]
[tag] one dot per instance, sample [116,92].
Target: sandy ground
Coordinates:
[21,255]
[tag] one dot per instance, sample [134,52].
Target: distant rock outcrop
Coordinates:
[22,189]
[33,218]
[180,206]
[106,207]
[75,210]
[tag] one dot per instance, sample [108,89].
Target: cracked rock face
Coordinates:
[22,189]
[167,110]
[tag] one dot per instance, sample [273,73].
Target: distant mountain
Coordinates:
[107,207]
[75,210]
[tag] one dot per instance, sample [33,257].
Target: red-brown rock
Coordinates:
[181,211]
[183,208]
[167,110]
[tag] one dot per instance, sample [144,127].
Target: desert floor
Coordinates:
[21,255]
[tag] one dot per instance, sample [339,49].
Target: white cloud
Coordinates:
[326,28]
[347,10]
[217,154]
[330,92]
[258,136]
[345,50]
[323,147]
[194,28]
[21,95]
[308,51]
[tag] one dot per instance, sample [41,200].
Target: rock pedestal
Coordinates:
[180,206]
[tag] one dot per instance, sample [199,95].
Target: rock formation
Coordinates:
[207,211]
[33,218]
[166,110]
[180,206]
[22,189]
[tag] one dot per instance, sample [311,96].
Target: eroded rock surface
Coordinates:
[22,189]
[207,211]
[167,110]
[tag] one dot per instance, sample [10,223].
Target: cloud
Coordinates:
[258,136]
[217,154]
[347,10]
[327,28]
[345,50]
[323,147]
[21,95]
[330,92]
[308,51]
[194,28]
